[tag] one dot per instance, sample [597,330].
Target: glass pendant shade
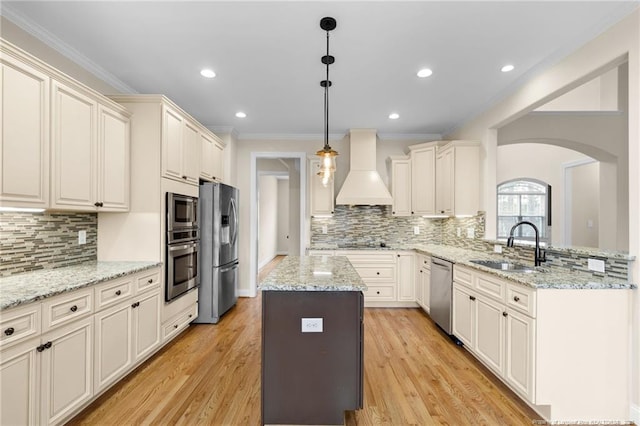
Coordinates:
[327,165]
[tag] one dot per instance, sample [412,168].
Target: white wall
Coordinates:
[599,94]
[267,219]
[585,204]
[611,48]
[283,217]
[524,161]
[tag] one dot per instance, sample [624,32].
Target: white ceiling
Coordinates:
[267,56]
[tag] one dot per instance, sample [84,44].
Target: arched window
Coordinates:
[524,199]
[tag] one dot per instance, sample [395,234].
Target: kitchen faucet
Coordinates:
[540,255]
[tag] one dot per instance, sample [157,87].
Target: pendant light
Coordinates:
[327,155]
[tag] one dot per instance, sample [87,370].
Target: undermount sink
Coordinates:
[504,266]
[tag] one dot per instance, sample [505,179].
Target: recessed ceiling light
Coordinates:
[394,116]
[424,72]
[240,114]
[207,73]
[507,68]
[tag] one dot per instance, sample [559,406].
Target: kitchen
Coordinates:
[621,41]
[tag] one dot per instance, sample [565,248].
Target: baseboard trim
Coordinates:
[635,414]
[283,253]
[247,293]
[266,262]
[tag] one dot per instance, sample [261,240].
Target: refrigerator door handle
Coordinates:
[235,221]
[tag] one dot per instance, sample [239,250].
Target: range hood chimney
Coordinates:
[363,185]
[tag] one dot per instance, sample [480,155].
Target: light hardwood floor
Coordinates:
[210,375]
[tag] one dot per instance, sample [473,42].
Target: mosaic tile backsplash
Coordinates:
[30,241]
[375,224]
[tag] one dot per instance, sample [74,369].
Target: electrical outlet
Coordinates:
[312,325]
[459,232]
[497,248]
[595,265]
[324,229]
[471,233]
[82,237]
[416,230]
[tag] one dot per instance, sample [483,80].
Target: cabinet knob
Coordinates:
[398,255]
[40,348]
[472,298]
[175,326]
[516,298]
[504,314]
[47,345]
[420,270]
[9,331]
[73,308]
[377,273]
[118,292]
[150,281]
[442,211]
[412,213]
[377,292]
[184,177]
[190,315]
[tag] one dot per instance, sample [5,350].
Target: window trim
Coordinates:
[547,216]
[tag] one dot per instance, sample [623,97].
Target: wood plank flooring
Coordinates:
[210,375]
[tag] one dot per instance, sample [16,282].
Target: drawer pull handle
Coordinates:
[98,204]
[516,298]
[504,314]
[150,281]
[118,293]
[135,305]
[472,298]
[73,308]
[9,331]
[40,348]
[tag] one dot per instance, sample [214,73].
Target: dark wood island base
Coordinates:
[311,377]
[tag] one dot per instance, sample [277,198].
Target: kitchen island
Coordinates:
[312,341]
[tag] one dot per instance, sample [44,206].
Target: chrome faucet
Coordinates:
[540,255]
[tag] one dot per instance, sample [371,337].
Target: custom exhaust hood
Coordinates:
[363,185]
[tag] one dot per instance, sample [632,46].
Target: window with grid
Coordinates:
[524,199]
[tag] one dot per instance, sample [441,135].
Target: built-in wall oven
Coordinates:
[182,247]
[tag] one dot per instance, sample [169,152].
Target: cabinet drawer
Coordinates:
[19,323]
[147,280]
[490,286]
[113,292]
[320,253]
[368,257]
[66,308]
[522,299]
[179,322]
[462,276]
[384,293]
[369,273]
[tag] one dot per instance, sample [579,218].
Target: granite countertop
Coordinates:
[313,273]
[542,277]
[33,286]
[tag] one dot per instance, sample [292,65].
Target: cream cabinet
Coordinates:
[181,147]
[113,344]
[423,281]
[322,197]
[406,276]
[401,185]
[519,357]
[146,324]
[20,383]
[463,316]
[423,179]
[490,332]
[24,136]
[211,158]
[457,178]
[113,160]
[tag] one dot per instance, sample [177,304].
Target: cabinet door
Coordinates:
[423,181]
[206,157]
[490,333]
[321,196]
[445,182]
[171,143]
[218,162]
[113,155]
[19,384]
[426,289]
[418,283]
[464,313]
[74,133]
[401,187]
[191,153]
[520,357]
[24,135]
[406,278]
[146,324]
[113,344]
[67,370]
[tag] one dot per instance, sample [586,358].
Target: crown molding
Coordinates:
[426,137]
[64,49]
[290,136]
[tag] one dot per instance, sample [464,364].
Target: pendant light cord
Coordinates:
[326,100]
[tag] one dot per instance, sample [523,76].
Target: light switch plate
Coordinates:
[82,237]
[416,230]
[459,232]
[471,233]
[312,325]
[595,265]
[497,248]
[324,229]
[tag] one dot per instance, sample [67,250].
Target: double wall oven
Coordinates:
[182,247]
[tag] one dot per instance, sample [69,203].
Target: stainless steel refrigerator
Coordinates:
[218,291]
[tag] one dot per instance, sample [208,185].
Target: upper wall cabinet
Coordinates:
[211,156]
[322,197]
[64,146]
[24,137]
[423,178]
[458,178]
[180,147]
[401,185]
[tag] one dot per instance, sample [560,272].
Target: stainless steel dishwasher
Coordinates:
[441,284]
